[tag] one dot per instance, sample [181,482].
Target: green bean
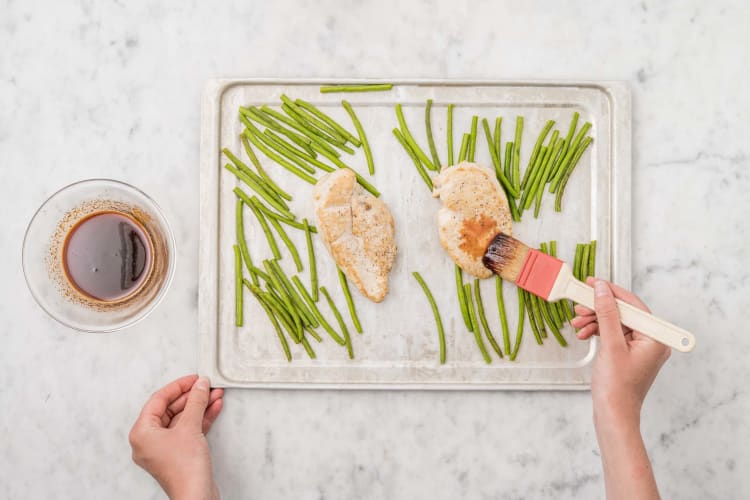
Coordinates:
[430,138]
[570,168]
[592,258]
[545,176]
[571,131]
[275,324]
[461,297]
[585,261]
[501,312]
[311,260]
[508,163]
[450,134]
[536,305]
[517,152]
[254,159]
[435,313]
[546,314]
[362,136]
[360,180]
[276,140]
[321,319]
[285,298]
[535,172]
[278,159]
[463,151]
[326,131]
[556,332]
[295,114]
[519,329]
[313,334]
[554,311]
[286,316]
[248,171]
[340,320]
[237,286]
[308,348]
[570,157]
[529,301]
[417,164]
[497,142]
[301,307]
[410,139]
[299,156]
[276,202]
[312,120]
[261,221]
[270,122]
[472,138]
[314,139]
[370,87]
[349,300]
[475,324]
[241,241]
[483,319]
[577,261]
[259,272]
[496,162]
[330,121]
[538,176]
[279,146]
[535,152]
[282,218]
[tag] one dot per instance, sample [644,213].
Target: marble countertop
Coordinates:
[112,89]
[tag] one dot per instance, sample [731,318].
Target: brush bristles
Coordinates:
[505,256]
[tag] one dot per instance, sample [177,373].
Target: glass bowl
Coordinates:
[44,241]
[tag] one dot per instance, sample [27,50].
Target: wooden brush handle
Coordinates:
[648,324]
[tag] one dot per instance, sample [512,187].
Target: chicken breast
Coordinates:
[358,231]
[474,210]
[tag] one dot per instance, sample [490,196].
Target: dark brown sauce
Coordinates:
[107,255]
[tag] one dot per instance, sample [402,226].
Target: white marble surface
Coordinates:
[111,89]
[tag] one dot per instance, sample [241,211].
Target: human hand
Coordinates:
[169,437]
[627,362]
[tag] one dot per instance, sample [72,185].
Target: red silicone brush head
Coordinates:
[530,269]
[539,273]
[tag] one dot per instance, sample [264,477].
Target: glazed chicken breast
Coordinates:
[475,209]
[358,231]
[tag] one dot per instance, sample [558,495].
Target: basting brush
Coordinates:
[552,279]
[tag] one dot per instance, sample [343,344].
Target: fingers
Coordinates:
[608,316]
[588,331]
[158,403]
[583,310]
[178,405]
[196,404]
[581,321]
[212,412]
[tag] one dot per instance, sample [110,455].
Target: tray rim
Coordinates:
[619,97]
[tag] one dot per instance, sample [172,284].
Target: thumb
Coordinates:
[196,403]
[607,315]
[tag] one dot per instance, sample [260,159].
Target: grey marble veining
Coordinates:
[112,89]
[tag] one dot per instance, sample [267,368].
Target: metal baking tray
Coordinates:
[399,347]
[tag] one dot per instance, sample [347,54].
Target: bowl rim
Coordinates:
[170,272]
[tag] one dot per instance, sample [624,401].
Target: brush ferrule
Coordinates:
[538,273]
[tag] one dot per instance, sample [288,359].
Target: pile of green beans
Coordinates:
[295,137]
[293,312]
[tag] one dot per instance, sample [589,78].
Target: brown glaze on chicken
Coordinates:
[475,209]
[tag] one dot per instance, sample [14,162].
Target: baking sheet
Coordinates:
[399,347]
